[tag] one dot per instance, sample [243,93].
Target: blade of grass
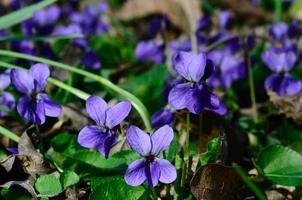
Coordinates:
[137,104]
[249,183]
[39,38]
[79,93]
[18,16]
[9,134]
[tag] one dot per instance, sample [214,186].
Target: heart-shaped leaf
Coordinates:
[281,165]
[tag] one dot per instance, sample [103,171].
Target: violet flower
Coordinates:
[7,100]
[281,62]
[164,116]
[102,135]
[35,105]
[225,19]
[278,31]
[194,94]
[150,51]
[150,168]
[230,68]
[90,60]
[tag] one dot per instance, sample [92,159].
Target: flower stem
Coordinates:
[186,153]
[153,193]
[278,10]
[137,104]
[252,89]
[249,182]
[9,134]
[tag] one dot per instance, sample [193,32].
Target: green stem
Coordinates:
[249,182]
[186,153]
[9,134]
[153,193]
[137,104]
[278,10]
[79,93]
[252,89]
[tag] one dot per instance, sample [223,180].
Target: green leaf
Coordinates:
[64,140]
[40,38]
[15,194]
[69,178]
[281,165]
[18,16]
[212,152]
[112,188]
[148,86]
[87,163]
[48,185]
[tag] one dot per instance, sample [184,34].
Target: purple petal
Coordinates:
[162,117]
[279,61]
[161,139]
[179,94]
[106,144]
[5,79]
[138,140]
[90,137]
[167,171]
[116,114]
[186,96]
[22,81]
[190,66]
[275,82]
[293,87]
[52,108]
[96,108]
[152,171]
[135,174]
[32,111]
[90,60]
[40,73]
[7,100]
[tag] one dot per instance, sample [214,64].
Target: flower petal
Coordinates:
[40,73]
[117,113]
[179,94]
[138,140]
[5,79]
[22,81]
[96,108]
[135,174]
[152,171]
[106,144]
[90,137]
[293,86]
[161,139]
[189,65]
[275,82]
[167,171]
[32,111]
[52,108]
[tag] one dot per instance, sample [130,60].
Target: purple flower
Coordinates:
[150,168]
[194,94]
[294,29]
[229,68]
[224,19]
[7,100]
[34,105]
[68,30]
[281,62]
[150,50]
[164,116]
[278,31]
[43,20]
[102,136]
[91,60]
[157,24]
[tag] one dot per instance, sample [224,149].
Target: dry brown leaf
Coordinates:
[215,181]
[289,105]
[182,13]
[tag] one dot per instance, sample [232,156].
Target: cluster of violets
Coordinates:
[35,106]
[66,19]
